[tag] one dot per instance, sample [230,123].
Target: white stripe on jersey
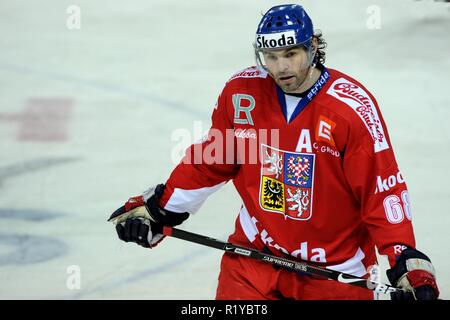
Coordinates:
[190,200]
[353,266]
[247,224]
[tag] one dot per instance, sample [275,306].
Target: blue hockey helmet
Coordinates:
[284,26]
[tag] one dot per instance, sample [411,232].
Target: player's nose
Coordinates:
[282,65]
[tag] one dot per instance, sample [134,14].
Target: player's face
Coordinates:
[288,67]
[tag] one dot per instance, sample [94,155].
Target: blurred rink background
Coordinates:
[88,118]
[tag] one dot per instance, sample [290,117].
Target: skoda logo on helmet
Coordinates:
[275,40]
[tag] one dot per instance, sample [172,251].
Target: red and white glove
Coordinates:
[414,273]
[141,219]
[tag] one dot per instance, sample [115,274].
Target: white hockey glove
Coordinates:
[141,219]
[414,273]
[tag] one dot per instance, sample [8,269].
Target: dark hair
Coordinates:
[321,45]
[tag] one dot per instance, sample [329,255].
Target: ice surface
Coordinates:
[137,71]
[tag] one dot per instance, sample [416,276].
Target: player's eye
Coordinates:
[270,57]
[290,54]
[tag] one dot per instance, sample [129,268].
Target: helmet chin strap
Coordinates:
[311,70]
[312,62]
[311,65]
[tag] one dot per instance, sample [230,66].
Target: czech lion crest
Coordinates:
[287,180]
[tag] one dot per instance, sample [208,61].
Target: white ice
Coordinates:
[136,72]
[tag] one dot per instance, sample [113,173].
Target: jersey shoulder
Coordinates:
[347,90]
[345,96]
[349,98]
[249,81]
[250,77]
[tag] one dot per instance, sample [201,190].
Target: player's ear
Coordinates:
[315,44]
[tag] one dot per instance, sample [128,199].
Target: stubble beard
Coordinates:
[299,80]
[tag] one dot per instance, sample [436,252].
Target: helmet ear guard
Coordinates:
[259,60]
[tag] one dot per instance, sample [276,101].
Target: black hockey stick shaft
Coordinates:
[291,265]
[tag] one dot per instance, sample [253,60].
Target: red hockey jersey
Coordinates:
[323,186]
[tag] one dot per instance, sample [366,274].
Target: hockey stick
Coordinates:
[296,266]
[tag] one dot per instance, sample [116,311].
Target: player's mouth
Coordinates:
[286,79]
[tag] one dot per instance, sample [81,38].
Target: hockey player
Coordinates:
[310,155]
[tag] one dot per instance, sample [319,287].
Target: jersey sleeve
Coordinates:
[372,172]
[206,166]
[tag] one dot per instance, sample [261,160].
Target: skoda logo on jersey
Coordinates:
[275,40]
